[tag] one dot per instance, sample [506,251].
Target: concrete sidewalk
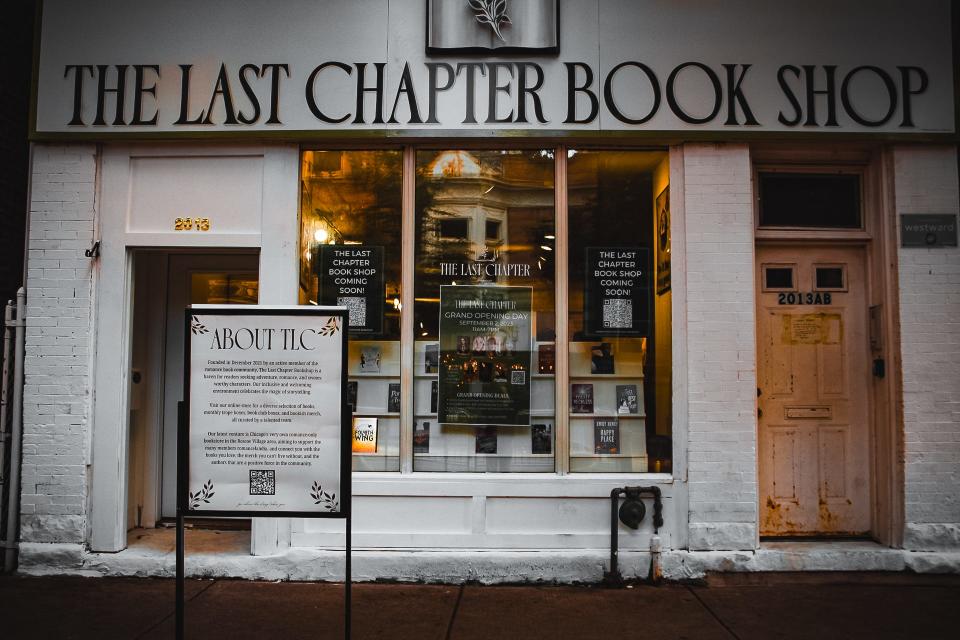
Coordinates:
[763,607]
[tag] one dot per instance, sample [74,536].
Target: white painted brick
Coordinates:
[57,349]
[721,347]
[925,181]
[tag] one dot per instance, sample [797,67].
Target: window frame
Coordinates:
[562,373]
[812,233]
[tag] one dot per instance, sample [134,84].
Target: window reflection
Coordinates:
[484,218]
[619,311]
[350,240]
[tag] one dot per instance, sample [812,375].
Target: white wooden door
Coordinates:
[813,391]
[194,279]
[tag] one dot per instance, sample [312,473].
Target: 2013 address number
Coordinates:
[190,224]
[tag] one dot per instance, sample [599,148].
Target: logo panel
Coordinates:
[481,26]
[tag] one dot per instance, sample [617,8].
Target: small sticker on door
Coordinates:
[812,328]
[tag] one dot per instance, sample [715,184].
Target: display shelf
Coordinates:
[583,456]
[623,416]
[371,376]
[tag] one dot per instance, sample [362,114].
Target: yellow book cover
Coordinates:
[364,435]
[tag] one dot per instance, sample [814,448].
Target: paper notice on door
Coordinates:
[812,328]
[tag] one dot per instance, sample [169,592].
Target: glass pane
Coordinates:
[485,324]
[810,200]
[779,277]
[224,288]
[350,241]
[830,278]
[620,316]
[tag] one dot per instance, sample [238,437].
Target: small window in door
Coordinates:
[779,277]
[810,200]
[830,277]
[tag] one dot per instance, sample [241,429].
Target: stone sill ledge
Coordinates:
[486,567]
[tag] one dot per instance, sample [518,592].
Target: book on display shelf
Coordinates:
[364,435]
[541,438]
[393,398]
[606,435]
[581,396]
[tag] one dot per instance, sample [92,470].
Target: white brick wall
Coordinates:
[926,182]
[722,450]
[57,367]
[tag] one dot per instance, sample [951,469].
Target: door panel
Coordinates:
[194,279]
[813,383]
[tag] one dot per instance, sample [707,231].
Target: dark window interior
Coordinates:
[810,200]
[829,277]
[779,278]
[493,230]
[455,228]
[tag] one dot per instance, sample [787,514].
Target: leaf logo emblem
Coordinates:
[493,13]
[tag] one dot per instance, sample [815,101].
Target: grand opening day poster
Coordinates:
[485,355]
[266,420]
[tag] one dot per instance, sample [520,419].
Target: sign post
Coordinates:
[264,428]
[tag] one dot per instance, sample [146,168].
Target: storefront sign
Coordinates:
[617,300]
[351,276]
[317,66]
[928,230]
[266,427]
[485,355]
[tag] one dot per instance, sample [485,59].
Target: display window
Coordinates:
[619,311]
[485,311]
[350,226]
[489,384]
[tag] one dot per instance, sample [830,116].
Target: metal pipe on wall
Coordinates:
[5,378]
[13,486]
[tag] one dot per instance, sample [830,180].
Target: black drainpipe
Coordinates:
[631,513]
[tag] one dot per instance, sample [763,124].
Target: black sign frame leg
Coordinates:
[181,484]
[347,583]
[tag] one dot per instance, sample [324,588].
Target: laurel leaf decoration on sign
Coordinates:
[197,328]
[493,13]
[203,495]
[324,498]
[331,328]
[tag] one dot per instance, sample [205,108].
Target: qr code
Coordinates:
[518,377]
[617,313]
[357,308]
[263,482]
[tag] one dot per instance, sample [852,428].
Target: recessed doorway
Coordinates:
[164,283]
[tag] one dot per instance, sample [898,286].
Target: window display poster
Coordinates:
[663,241]
[268,427]
[617,300]
[485,355]
[351,276]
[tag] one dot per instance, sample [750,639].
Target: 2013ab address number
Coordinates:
[809,297]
